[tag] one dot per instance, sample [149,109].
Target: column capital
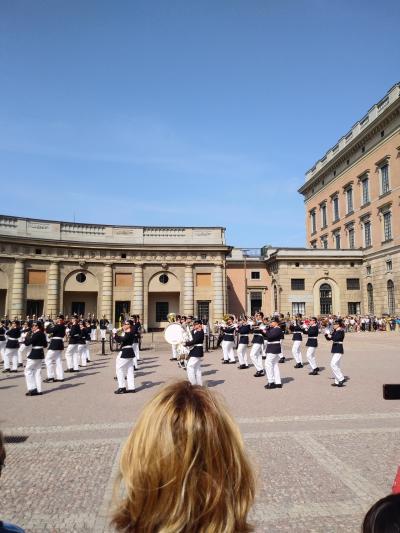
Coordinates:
[189,265]
[108,264]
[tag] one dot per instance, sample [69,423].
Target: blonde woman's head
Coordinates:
[184,468]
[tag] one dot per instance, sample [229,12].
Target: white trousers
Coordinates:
[33,374]
[72,356]
[2,347]
[93,335]
[23,351]
[256,356]
[272,368]
[174,352]
[124,368]
[193,368]
[336,368]
[103,333]
[136,350]
[54,364]
[296,352]
[242,354]
[311,357]
[83,354]
[11,358]
[227,349]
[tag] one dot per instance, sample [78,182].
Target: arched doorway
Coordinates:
[370,298]
[325,299]
[163,298]
[80,293]
[391,298]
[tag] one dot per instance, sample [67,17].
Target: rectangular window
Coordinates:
[123,279]
[298,308]
[349,200]
[353,284]
[324,242]
[255,275]
[389,265]
[387,225]
[324,221]
[203,279]
[351,238]
[365,191]
[313,222]
[34,307]
[162,311]
[368,270]
[385,186]
[313,244]
[297,284]
[336,238]
[36,277]
[335,208]
[255,302]
[203,310]
[354,308]
[367,233]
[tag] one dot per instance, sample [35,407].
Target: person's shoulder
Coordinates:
[6,527]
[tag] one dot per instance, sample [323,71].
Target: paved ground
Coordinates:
[323,455]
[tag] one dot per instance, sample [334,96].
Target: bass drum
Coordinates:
[174,334]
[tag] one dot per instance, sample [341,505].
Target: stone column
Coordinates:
[107,292]
[53,282]
[138,301]
[188,291]
[218,293]
[18,290]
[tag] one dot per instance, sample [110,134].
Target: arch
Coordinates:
[391,297]
[335,295]
[370,298]
[172,284]
[89,285]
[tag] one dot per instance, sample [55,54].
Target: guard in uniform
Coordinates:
[297,337]
[2,339]
[282,325]
[53,359]
[93,330]
[11,349]
[228,342]
[196,354]
[243,332]
[257,348]
[103,324]
[72,353]
[312,343]
[273,336]
[136,334]
[23,349]
[124,362]
[33,369]
[337,337]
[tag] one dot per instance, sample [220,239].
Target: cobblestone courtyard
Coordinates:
[323,455]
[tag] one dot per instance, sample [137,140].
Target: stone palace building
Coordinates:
[351,264]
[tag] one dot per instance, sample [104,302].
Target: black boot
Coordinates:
[314,372]
[121,390]
[270,386]
[282,360]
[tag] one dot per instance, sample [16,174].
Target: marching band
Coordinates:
[25,343]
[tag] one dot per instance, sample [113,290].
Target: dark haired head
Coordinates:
[384,516]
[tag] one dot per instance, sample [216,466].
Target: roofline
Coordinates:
[108,225]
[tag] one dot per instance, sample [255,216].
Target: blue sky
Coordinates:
[182,112]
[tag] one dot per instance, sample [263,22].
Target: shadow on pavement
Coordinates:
[8,387]
[139,374]
[209,372]
[62,387]
[149,385]
[215,383]
[287,380]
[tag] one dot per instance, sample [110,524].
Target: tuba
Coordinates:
[171,317]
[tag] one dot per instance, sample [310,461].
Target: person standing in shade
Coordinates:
[11,348]
[337,337]
[282,325]
[243,331]
[103,324]
[3,340]
[228,342]
[72,352]
[33,369]
[53,359]
[273,336]
[312,344]
[297,330]
[124,362]
[196,354]
[23,349]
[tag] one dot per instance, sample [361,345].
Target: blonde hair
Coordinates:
[184,467]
